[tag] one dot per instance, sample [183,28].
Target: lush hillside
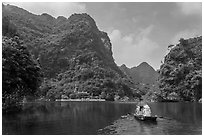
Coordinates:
[21,74]
[73,53]
[181,73]
[143,73]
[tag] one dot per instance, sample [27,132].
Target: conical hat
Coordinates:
[146,106]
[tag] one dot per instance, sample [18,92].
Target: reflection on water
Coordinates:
[102,118]
[183,112]
[63,118]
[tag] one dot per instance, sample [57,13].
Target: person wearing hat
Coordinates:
[146,111]
[143,109]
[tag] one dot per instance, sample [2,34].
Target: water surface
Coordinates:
[83,118]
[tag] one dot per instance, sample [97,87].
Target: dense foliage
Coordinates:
[181,72]
[85,75]
[73,53]
[20,73]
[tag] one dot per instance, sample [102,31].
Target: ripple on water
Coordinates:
[131,126]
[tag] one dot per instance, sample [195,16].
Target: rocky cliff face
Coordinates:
[73,51]
[143,73]
[46,35]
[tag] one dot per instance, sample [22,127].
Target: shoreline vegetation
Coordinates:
[61,100]
[103,100]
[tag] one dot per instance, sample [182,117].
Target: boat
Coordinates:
[146,118]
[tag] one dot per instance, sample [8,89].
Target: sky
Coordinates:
[139,32]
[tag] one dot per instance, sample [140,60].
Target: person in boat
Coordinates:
[143,109]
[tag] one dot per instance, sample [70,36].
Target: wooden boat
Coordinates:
[146,118]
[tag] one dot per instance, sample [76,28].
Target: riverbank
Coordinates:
[97,99]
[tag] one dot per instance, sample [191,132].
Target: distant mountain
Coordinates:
[143,73]
[73,52]
[125,70]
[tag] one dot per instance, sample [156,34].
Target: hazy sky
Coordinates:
[139,32]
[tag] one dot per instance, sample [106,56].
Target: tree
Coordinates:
[181,72]
[21,74]
[110,97]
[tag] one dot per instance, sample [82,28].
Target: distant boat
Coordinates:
[145,113]
[146,118]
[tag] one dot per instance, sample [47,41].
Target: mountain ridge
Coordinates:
[143,73]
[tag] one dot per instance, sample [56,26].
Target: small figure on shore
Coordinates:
[143,109]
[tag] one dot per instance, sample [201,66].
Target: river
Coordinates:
[92,118]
